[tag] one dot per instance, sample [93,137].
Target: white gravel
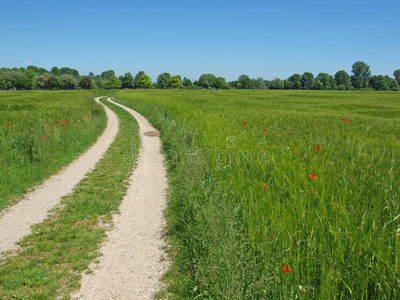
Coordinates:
[130,267]
[16,221]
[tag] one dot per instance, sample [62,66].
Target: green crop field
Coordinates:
[41,131]
[280,194]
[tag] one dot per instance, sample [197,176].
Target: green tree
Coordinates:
[91,75]
[142,80]
[69,81]
[113,83]
[245,81]
[86,83]
[4,84]
[361,75]
[43,80]
[107,74]
[187,82]
[260,84]
[174,82]
[56,83]
[288,85]
[27,81]
[55,71]
[205,80]
[163,80]
[296,79]
[218,83]
[324,79]
[318,85]
[343,78]
[307,81]
[38,71]
[396,75]
[128,81]
[379,83]
[276,84]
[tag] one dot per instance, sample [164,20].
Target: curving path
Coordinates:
[130,267]
[16,222]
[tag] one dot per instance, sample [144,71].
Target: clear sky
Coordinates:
[227,38]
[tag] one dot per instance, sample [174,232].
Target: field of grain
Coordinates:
[280,194]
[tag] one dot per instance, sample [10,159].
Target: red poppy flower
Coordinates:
[65,123]
[312,176]
[56,123]
[265,130]
[343,119]
[9,124]
[44,137]
[264,186]
[286,269]
[245,123]
[20,132]
[315,124]
[90,115]
[318,147]
[348,121]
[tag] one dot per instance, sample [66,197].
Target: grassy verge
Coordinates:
[280,194]
[211,253]
[61,247]
[40,132]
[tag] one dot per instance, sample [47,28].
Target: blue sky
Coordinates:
[227,38]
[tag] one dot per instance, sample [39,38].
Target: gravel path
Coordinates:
[130,267]
[16,222]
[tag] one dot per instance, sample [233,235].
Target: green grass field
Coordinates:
[41,131]
[280,194]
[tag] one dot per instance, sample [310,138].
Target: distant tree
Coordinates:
[396,75]
[379,83]
[4,84]
[276,84]
[324,79]
[245,82]
[86,83]
[142,80]
[128,81]
[307,80]
[343,78]
[56,83]
[393,84]
[37,71]
[205,80]
[174,82]
[318,85]
[163,80]
[65,71]
[43,81]
[55,71]
[91,75]
[27,81]
[296,79]
[288,85]
[69,81]
[187,82]
[332,82]
[11,77]
[218,83]
[113,83]
[107,74]
[361,75]
[260,84]
[99,83]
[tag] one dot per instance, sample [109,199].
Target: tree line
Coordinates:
[33,77]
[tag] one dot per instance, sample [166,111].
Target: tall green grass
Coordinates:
[338,233]
[34,142]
